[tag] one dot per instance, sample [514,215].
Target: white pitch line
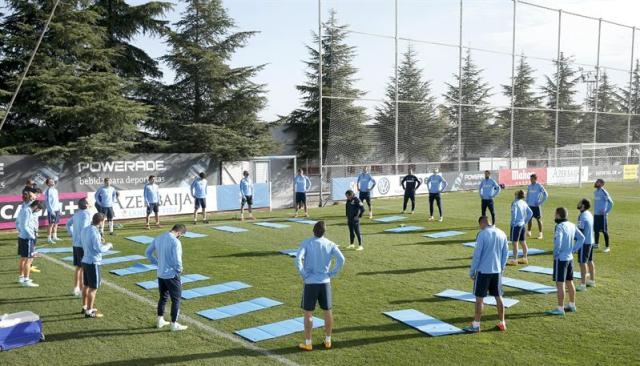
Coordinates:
[187,319]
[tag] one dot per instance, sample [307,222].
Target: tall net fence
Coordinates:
[457,85]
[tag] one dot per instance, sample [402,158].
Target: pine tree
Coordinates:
[479,135]
[344,133]
[611,127]
[419,130]
[123,22]
[71,106]
[211,107]
[530,127]
[626,95]
[570,127]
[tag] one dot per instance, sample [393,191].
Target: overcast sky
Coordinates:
[285,27]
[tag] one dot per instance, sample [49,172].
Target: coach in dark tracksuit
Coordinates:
[354,210]
[410,184]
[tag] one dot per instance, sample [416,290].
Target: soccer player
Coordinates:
[487,266]
[603,205]
[536,197]
[152,200]
[365,184]
[27,225]
[105,198]
[488,189]
[30,186]
[169,262]
[80,220]
[410,183]
[302,185]
[435,184]
[199,194]
[93,247]
[246,190]
[355,210]
[563,248]
[53,206]
[313,261]
[520,214]
[585,254]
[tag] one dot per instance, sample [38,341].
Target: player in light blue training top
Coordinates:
[53,205]
[520,214]
[301,184]
[152,200]
[246,191]
[105,198]
[80,220]
[488,190]
[585,255]
[436,184]
[536,197]
[602,206]
[199,194]
[365,184]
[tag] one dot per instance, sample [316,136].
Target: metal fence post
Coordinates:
[580,171]
[513,84]
[555,150]
[460,93]
[629,111]
[320,97]
[396,91]
[595,116]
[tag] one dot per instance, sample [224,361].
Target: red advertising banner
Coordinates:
[10,208]
[520,177]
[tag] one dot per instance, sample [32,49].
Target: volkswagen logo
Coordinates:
[383,186]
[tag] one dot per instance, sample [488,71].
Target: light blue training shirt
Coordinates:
[603,203]
[314,259]
[199,188]
[302,183]
[488,189]
[151,193]
[436,183]
[520,213]
[92,245]
[365,182]
[80,220]
[563,241]
[536,195]
[491,252]
[169,251]
[585,224]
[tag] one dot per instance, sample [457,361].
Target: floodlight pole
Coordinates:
[513,84]
[460,93]
[555,150]
[633,41]
[596,92]
[396,87]
[320,97]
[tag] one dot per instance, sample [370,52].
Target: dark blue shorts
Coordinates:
[200,202]
[91,275]
[153,207]
[316,293]
[585,255]
[301,197]
[536,212]
[53,217]
[562,270]
[248,200]
[78,253]
[26,247]
[490,283]
[365,197]
[600,224]
[107,212]
[517,233]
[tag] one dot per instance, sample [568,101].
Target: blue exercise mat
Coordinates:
[404,229]
[278,329]
[230,229]
[244,307]
[54,250]
[147,285]
[272,225]
[303,221]
[532,251]
[528,286]
[545,270]
[443,234]
[469,297]
[192,235]
[140,239]
[127,258]
[424,323]
[70,258]
[136,268]
[290,252]
[390,219]
[214,290]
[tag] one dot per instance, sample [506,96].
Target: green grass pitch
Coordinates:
[396,271]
